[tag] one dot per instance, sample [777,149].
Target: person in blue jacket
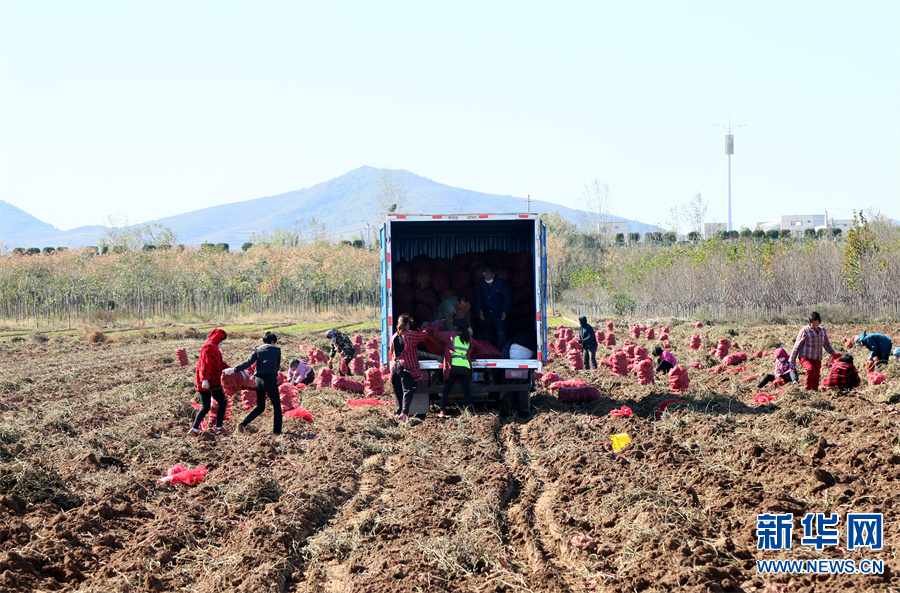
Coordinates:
[493,303]
[878,344]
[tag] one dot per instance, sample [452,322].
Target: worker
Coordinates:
[811,339]
[879,346]
[343,345]
[451,309]
[268,362]
[208,381]
[493,302]
[588,339]
[843,374]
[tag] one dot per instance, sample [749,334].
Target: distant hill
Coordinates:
[343,205]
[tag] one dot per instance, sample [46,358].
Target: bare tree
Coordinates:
[390,192]
[118,235]
[594,208]
[694,211]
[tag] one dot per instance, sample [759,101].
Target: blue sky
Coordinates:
[146,110]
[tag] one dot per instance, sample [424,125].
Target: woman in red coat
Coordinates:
[404,359]
[208,381]
[457,363]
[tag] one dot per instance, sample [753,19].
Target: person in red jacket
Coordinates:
[404,359]
[208,381]
[843,374]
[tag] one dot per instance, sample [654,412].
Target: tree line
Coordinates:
[743,277]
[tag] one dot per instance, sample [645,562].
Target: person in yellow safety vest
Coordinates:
[457,363]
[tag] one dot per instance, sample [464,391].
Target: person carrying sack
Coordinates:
[457,363]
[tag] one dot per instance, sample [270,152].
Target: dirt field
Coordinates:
[359,502]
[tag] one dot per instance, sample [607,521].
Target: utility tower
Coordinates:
[729,150]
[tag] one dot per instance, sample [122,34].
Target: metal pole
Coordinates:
[729,192]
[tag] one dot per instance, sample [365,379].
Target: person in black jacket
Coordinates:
[268,362]
[588,339]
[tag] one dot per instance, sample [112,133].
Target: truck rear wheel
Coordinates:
[506,404]
[523,403]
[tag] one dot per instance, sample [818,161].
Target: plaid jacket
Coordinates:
[843,375]
[809,344]
[409,358]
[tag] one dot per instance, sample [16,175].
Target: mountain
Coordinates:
[342,205]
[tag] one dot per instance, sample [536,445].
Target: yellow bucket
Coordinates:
[619,441]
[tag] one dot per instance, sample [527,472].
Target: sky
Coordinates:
[141,110]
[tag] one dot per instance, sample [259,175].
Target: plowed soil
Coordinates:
[360,502]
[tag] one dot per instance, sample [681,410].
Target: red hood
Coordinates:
[216,336]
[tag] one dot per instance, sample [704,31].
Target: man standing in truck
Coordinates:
[493,303]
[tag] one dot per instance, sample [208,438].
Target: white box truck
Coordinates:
[426,258]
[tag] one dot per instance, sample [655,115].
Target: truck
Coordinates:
[427,258]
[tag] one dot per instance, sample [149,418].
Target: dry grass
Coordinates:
[93,335]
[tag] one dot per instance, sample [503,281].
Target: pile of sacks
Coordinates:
[617,362]
[644,370]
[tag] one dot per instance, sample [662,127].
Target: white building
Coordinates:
[611,228]
[711,228]
[798,223]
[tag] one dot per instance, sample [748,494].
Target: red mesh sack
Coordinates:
[522,261]
[732,360]
[663,337]
[402,273]
[549,379]
[557,385]
[235,382]
[610,337]
[248,399]
[316,355]
[722,348]
[440,283]
[521,279]
[181,354]
[288,394]
[559,329]
[578,395]
[695,343]
[644,371]
[299,413]
[420,263]
[698,325]
[421,281]
[651,335]
[618,362]
[678,379]
[357,366]
[483,349]
[358,344]
[181,474]
[374,383]
[373,354]
[876,378]
[575,361]
[323,378]
[665,330]
[345,384]
[601,337]
[356,403]
[560,345]
[609,326]
[640,353]
[695,364]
